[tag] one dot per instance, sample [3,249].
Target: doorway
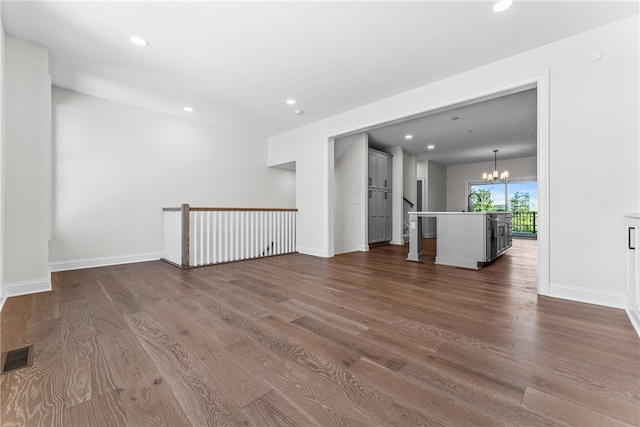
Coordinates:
[539,81]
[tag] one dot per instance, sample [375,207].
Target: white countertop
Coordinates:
[455,213]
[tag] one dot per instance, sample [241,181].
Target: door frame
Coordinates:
[540,81]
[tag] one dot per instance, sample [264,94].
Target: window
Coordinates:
[518,197]
[491,197]
[523,204]
[523,195]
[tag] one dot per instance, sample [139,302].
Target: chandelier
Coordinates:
[494,177]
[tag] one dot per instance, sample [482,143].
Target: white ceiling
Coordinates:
[470,133]
[237,62]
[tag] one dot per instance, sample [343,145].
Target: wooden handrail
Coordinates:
[234,209]
[245,209]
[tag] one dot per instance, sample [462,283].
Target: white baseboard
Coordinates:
[24,288]
[362,248]
[590,296]
[79,264]
[312,251]
[397,242]
[454,262]
[634,317]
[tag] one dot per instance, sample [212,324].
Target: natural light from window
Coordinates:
[522,202]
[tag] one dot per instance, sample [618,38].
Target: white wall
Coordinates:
[117,166]
[459,176]
[397,190]
[26,167]
[351,193]
[594,126]
[410,187]
[313,164]
[436,195]
[2,142]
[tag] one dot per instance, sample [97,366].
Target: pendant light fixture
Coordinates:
[495,177]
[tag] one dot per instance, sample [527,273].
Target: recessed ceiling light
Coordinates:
[408,136]
[139,41]
[502,5]
[430,147]
[291,101]
[188,109]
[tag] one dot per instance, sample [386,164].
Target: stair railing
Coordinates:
[195,237]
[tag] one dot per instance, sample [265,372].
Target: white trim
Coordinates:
[25,288]
[103,262]
[455,262]
[330,198]
[544,272]
[517,85]
[362,248]
[589,296]
[635,320]
[314,252]
[538,80]
[397,242]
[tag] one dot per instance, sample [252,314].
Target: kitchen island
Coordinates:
[465,239]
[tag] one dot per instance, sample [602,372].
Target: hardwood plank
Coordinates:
[321,403]
[274,410]
[102,410]
[216,329]
[577,392]
[595,371]
[45,306]
[339,322]
[76,323]
[269,304]
[145,398]
[85,367]
[334,353]
[437,409]
[565,411]
[121,296]
[189,381]
[364,338]
[239,387]
[260,290]
[215,288]
[380,354]
[333,376]
[136,285]
[35,395]
[483,395]
[15,314]
[496,366]
[105,317]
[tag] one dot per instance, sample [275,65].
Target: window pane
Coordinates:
[523,195]
[492,198]
[523,204]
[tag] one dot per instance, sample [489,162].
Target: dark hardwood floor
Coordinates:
[364,339]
